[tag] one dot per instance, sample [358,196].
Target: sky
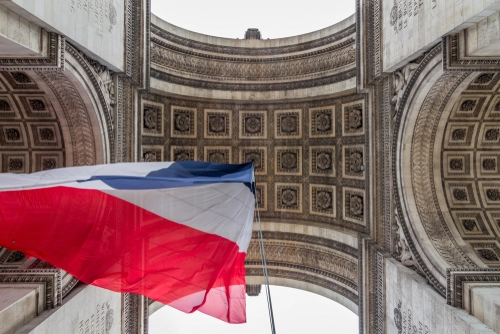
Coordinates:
[274,18]
[296,311]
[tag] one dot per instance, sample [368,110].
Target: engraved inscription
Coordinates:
[404,11]
[101,13]
[99,322]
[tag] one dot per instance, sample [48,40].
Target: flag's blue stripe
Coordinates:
[181,174]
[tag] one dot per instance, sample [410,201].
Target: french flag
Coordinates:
[176,232]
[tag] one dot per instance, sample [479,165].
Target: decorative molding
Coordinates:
[343,76]
[222,69]
[303,277]
[53,61]
[51,278]
[206,47]
[455,279]
[309,239]
[454,58]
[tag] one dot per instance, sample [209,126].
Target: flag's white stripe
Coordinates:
[224,209]
[66,176]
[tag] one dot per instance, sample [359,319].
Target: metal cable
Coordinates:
[264,263]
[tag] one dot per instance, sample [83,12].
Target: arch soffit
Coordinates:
[429,243]
[418,142]
[195,65]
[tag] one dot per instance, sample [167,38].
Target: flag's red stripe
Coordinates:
[105,241]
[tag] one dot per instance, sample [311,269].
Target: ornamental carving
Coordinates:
[253,124]
[401,79]
[218,154]
[356,162]
[218,123]
[37,105]
[322,160]
[251,69]
[345,271]
[324,199]
[183,122]
[459,134]
[288,124]
[288,197]
[48,164]
[16,165]
[469,224]
[4,106]
[468,105]
[15,256]
[46,134]
[150,119]
[492,134]
[322,122]
[456,164]
[105,79]
[460,194]
[12,134]
[356,205]
[402,249]
[488,254]
[356,118]
[493,194]
[484,79]
[20,77]
[489,164]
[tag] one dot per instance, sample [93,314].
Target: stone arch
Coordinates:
[425,211]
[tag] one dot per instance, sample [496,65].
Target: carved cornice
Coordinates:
[253,87]
[51,278]
[304,259]
[300,276]
[206,47]
[245,59]
[251,70]
[308,239]
[53,61]
[455,279]
[455,59]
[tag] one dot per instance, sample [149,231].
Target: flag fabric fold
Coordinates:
[174,232]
